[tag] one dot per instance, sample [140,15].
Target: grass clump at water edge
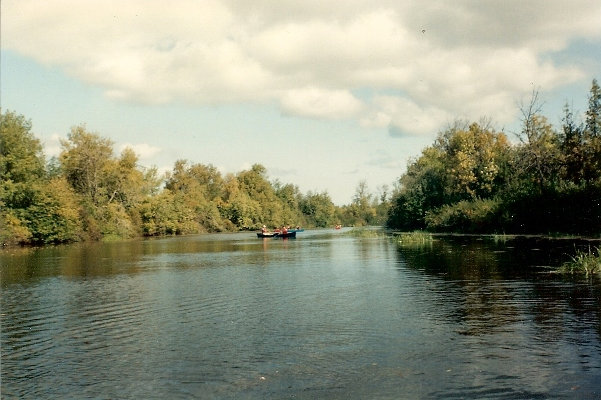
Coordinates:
[366,232]
[415,238]
[587,263]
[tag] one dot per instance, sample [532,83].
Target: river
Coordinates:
[325,315]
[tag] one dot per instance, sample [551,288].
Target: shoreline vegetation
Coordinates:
[415,238]
[472,180]
[583,263]
[88,194]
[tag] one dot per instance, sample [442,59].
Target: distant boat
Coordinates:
[338,226]
[266,235]
[289,234]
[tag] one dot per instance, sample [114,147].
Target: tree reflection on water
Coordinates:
[494,285]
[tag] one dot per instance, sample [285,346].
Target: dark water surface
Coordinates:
[322,316]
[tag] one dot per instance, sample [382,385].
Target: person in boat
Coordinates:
[284,230]
[264,229]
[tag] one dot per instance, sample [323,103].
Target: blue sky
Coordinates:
[323,96]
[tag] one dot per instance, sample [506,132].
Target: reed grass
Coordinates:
[587,263]
[502,238]
[415,238]
[366,233]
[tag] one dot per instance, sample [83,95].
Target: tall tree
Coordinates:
[539,156]
[126,182]
[289,196]
[592,148]
[21,170]
[54,215]
[204,179]
[33,208]
[476,160]
[84,161]
[200,189]
[362,209]
[593,114]
[318,209]
[572,146]
[421,188]
[21,156]
[259,198]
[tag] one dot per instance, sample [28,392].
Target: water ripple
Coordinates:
[325,318]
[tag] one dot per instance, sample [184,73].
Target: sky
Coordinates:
[324,94]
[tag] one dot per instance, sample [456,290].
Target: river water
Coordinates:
[325,315]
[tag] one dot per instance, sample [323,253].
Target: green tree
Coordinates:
[199,188]
[112,189]
[166,214]
[21,156]
[21,172]
[476,160]
[382,205]
[84,161]
[538,158]
[362,210]
[202,179]
[13,230]
[421,189]
[592,140]
[255,183]
[126,183]
[319,209]
[33,208]
[572,147]
[21,161]
[54,213]
[593,113]
[257,200]
[289,196]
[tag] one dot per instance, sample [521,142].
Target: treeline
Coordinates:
[88,193]
[474,179]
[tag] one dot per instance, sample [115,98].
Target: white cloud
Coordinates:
[421,62]
[540,25]
[403,116]
[320,103]
[52,146]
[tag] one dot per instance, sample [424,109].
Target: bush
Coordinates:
[116,223]
[574,210]
[12,230]
[475,216]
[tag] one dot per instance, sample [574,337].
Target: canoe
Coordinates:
[289,234]
[266,235]
[276,234]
